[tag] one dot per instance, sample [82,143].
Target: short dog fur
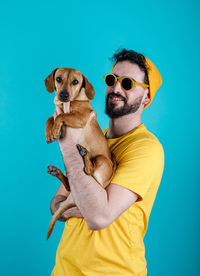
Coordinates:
[71,85]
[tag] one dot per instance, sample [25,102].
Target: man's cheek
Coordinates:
[108,90]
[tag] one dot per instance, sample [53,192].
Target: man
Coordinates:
[104,234]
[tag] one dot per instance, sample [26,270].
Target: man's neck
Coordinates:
[122,125]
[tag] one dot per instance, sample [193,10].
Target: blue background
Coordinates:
[38,36]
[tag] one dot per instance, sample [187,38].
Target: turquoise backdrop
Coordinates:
[38,36]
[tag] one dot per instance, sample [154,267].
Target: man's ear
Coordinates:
[50,81]
[89,89]
[146,99]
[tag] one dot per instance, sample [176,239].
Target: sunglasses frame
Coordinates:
[121,79]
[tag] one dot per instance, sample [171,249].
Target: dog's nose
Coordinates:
[64,96]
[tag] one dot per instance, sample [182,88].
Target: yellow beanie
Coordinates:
[155,79]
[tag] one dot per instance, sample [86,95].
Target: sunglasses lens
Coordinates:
[127,84]
[110,80]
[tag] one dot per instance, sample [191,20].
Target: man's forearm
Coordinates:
[87,193]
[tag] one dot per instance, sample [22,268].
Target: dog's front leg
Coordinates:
[48,130]
[74,120]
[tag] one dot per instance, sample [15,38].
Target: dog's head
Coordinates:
[69,85]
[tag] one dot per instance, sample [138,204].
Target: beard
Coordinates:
[113,112]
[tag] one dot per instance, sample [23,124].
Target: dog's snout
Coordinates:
[64,96]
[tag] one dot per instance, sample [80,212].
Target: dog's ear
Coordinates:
[49,81]
[89,89]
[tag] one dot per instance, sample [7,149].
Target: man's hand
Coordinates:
[70,136]
[72,212]
[59,201]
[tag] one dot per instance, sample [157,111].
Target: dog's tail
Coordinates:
[56,216]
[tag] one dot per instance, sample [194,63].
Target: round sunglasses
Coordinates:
[125,82]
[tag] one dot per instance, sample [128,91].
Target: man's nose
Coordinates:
[117,87]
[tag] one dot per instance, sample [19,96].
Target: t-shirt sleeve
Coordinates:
[140,166]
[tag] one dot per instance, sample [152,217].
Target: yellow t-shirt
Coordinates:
[118,249]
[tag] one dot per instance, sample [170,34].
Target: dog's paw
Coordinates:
[81,150]
[49,137]
[56,132]
[53,170]
[51,140]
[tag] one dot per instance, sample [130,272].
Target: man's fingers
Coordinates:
[55,114]
[58,110]
[67,107]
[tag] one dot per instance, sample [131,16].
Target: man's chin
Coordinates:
[114,112]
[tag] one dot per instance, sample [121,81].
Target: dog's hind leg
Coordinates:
[57,172]
[103,170]
[100,167]
[88,165]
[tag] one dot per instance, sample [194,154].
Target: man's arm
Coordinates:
[99,206]
[119,199]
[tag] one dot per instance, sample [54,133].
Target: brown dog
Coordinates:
[70,85]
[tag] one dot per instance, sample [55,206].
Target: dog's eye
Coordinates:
[58,79]
[75,82]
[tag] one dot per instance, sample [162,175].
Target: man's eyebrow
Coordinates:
[125,76]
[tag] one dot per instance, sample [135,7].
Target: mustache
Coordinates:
[117,95]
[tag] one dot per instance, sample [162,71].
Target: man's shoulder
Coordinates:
[144,140]
[137,142]
[105,130]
